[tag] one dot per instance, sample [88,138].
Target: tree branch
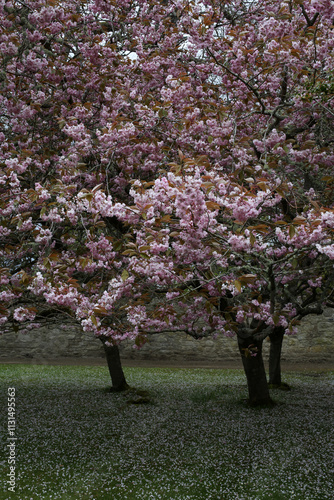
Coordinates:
[310,22]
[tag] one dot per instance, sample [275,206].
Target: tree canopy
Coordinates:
[167,165]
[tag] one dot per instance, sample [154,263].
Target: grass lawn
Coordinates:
[191,438]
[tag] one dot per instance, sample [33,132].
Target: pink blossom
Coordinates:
[23,314]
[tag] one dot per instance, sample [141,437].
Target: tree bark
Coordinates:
[251,355]
[275,376]
[115,368]
[276,340]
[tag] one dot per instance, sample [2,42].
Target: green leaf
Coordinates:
[125,275]
[252,239]
[292,231]
[276,319]
[129,252]
[100,310]
[93,319]
[162,113]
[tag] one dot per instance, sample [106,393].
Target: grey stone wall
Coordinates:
[314,342]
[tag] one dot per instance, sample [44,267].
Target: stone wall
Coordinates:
[314,342]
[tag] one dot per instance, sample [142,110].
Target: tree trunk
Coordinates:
[275,377]
[252,360]
[115,368]
[276,340]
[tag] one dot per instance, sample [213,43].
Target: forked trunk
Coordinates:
[252,360]
[115,368]
[276,340]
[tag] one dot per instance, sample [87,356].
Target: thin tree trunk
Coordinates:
[115,368]
[252,361]
[276,340]
[275,375]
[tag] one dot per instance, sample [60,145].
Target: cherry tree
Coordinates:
[168,166]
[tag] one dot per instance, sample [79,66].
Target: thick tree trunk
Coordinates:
[276,340]
[115,368]
[255,372]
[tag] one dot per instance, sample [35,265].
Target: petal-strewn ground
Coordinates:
[192,437]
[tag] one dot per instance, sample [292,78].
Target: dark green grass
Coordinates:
[184,434]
